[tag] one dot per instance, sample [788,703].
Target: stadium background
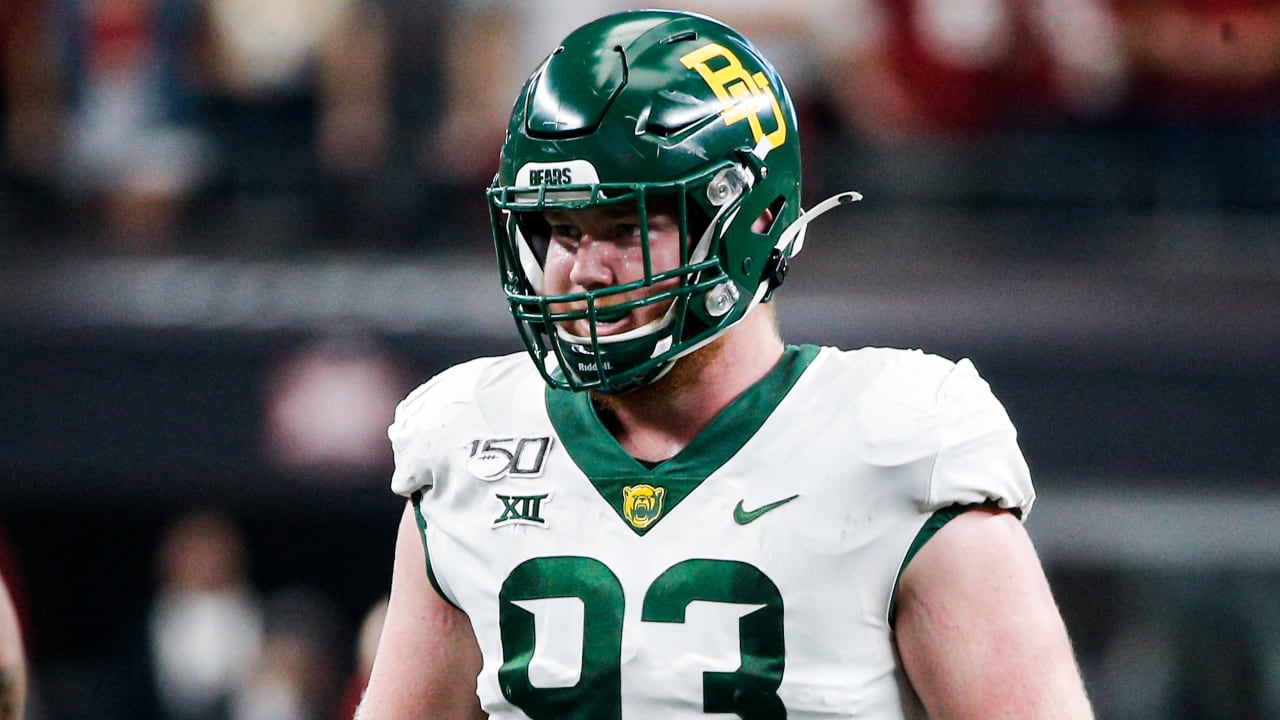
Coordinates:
[234,233]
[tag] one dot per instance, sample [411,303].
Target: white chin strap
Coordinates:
[792,239]
[789,243]
[648,328]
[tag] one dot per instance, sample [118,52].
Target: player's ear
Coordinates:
[763,223]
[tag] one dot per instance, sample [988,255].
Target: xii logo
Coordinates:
[743,95]
[521,509]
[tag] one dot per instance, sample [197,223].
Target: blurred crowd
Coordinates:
[267,126]
[211,643]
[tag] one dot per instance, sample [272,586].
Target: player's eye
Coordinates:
[626,231]
[565,233]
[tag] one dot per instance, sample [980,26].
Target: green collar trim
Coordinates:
[642,496]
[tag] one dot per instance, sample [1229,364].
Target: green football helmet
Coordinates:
[634,108]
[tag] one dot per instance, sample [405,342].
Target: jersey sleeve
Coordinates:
[978,459]
[422,421]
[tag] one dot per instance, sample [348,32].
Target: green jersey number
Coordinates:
[750,691]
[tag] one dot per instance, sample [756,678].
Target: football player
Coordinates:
[661,510]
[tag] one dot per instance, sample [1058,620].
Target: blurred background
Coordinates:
[233,233]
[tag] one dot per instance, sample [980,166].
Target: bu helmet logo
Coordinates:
[743,95]
[642,504]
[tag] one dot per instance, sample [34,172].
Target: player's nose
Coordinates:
[593,264]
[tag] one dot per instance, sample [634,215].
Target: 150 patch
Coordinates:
[496,458]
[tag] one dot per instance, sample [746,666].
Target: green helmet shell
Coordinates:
[629,108]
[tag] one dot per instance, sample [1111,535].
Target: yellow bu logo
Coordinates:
[744,96]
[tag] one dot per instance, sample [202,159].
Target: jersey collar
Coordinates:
[642,496]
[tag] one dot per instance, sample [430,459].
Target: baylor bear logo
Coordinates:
[642,504]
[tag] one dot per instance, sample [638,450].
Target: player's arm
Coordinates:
[13,662]
[978,630]
[427,659]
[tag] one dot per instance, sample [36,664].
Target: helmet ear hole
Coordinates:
[763,222]
[763,225]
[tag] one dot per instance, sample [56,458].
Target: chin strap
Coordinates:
[792,240]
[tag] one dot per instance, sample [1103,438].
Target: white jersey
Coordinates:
[753,573]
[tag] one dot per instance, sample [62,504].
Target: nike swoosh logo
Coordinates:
[742,517]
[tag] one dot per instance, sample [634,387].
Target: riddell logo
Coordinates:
[551,176]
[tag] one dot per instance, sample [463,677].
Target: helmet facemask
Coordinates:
[613,363]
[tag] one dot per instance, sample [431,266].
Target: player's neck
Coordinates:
[657,421]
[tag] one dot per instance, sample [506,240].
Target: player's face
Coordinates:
[601,247]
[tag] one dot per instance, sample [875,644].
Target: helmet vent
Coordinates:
[672,112]
[681,37]
[559,105]
[622,57]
